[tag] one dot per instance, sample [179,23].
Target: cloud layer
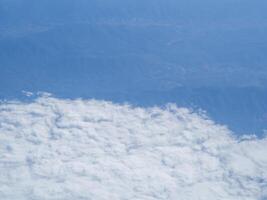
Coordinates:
[57,149]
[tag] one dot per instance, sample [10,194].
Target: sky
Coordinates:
[168,98]
[206,55]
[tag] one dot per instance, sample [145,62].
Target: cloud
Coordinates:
[27,93]
[87,149]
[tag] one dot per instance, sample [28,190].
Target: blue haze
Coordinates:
[200,54]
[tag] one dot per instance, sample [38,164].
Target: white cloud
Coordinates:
[27,93]
[87,149]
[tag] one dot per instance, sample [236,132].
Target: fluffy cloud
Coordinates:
[57,149]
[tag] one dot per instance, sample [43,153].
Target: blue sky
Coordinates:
[209,55]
